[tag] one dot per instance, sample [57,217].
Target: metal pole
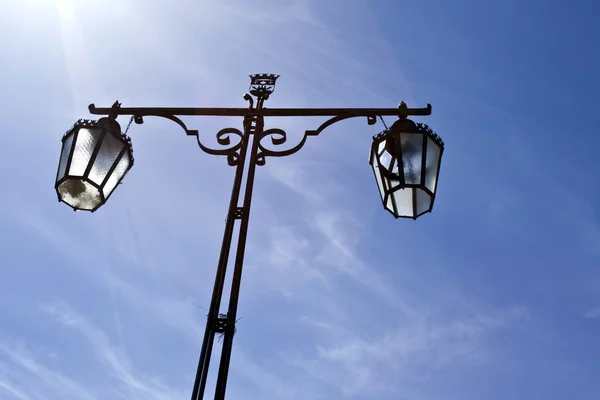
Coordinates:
[213,314]
[253,124]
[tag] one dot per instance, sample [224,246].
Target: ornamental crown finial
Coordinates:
[262,85]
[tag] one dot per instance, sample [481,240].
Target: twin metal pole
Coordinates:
[218,323]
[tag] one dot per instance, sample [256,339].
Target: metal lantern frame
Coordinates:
[246,150]
[98,131]
[395,173]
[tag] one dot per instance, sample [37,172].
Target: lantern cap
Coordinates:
[407,125]
[110,124]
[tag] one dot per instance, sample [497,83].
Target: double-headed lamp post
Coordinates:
[96,155]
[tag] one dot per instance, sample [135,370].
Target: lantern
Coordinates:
[94,159]
[406,162]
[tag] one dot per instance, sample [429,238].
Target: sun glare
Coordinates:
[65,9]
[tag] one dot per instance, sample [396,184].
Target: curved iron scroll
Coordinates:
[279,137]
[223,138]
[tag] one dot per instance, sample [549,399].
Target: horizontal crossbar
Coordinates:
[265,112]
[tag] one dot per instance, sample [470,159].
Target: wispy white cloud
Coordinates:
[266,381]
[24,368]
[592,313]
[289,267]
[293,175]
[13,391]
[134,385]
[377,362]
[341,232]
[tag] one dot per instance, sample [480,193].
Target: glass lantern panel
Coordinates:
[381,147]
[378,179]
[432,164]
[423,201]
[389,205]
[404,202]
[117,175]
[385,160]
[412,156]
[64,156]
[391,184]
[84,147]
[79,194]
[394,166]
[106,157]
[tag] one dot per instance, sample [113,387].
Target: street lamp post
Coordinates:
[96,156]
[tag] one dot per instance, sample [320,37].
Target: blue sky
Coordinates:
[494,295]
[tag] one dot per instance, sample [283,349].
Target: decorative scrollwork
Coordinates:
[224,139]
[278,137]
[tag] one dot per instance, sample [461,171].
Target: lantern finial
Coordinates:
[403,110]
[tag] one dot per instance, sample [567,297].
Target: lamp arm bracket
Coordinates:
[279,137]
[231,151]
[371,120]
